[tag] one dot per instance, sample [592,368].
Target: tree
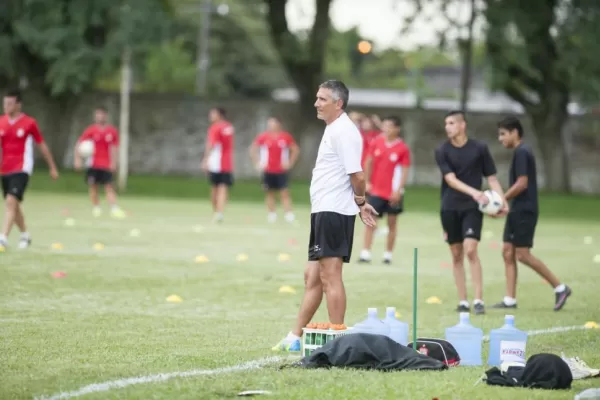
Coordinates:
[541,55]
[302,60]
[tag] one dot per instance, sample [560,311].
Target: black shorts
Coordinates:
[274,181]
[97,176]
[15,185]
[519,228]
[459,225]
[220,178]
[383,206]
[331,235]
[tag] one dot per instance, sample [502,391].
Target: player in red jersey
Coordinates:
[218,159]
[103,163]
[387,169]
[274,152]
[369,128]
[18,131]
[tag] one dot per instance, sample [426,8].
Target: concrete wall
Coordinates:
[168,134]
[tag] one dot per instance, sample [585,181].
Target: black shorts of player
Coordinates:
[383,206]
[15,185]
[459,225]
[519,228]
[274,181]
[220,178]
[97,176]
[331,235]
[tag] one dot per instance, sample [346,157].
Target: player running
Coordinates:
[386,171]
[462,162]
[521,221]
[18,131]
[102,164]
[274,152]
[218,160]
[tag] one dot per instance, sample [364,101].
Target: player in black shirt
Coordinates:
[463,163]
[523,216]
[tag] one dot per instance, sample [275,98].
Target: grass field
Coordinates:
[108,319]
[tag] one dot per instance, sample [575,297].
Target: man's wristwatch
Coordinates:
[360,200]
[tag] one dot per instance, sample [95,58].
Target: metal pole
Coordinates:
[203,60]
[124,118]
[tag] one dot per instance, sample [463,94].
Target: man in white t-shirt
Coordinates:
[337,194]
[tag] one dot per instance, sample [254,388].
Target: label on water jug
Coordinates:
[512,351]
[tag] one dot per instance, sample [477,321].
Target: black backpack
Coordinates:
[440,349]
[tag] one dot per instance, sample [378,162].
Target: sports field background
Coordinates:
[109,319]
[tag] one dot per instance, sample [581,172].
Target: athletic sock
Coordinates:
[560,288]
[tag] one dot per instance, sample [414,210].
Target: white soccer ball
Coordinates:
[86,148]
[494,204]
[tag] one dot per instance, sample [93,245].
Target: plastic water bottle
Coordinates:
[371,325]
[507,344]
[467,340]
[398,329]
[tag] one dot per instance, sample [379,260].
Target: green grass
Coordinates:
[108,319]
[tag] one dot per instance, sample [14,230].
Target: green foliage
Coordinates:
[168,67]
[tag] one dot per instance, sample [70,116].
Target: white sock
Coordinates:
[25,235]
[387,255]
[289,216]
[464,303]
[510,301]
[560,288]
[478,301]
[291,337]
[3,238]
[365,254]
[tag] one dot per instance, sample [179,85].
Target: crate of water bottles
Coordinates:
[315,335]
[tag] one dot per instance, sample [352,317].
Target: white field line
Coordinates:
[250,365]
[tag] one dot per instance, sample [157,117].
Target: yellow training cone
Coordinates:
[591,325]
[398,314]
[201,259]
[287,289]
[242,257]
[283,257]
[2,249]
[69,222]
[433,300]
[57,246]
[98,246]
[597,258]
[174,299]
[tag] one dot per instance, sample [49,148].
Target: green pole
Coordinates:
[415,262]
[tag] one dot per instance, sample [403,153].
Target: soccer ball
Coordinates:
[494,204]
[86,148]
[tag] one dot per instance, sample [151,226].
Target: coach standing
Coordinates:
[337,194]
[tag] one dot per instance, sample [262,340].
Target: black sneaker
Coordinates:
[502,304]
[561,298]
[479,308]
[386,261]
[462,308]
[364,261]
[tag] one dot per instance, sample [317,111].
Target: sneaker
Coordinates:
[287,344]
[3,245]
[218,218]
[24,242]
[479,308]
[463,308]
[117,213]
[96,212]
[502,304]
[579,368]
[387,261]
[561,298]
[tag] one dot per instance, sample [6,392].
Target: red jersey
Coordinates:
[388,161]
[274,150]
[220,136]
[104,138]
[16,141]
[368,138]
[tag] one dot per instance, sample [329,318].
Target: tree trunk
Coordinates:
[549,125]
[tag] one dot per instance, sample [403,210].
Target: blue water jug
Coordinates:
[371,325]
[467,340]
[507,343]
[398,329]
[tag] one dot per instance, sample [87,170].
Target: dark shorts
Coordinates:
[331,235]
[220,178]
[97,176]
[459,225]
[274,181]
[15,185]
[382,206]
[519,228]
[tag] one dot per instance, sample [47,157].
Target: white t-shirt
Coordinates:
[339,155]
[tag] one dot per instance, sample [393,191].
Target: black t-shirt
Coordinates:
[469,163]
[523,164]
